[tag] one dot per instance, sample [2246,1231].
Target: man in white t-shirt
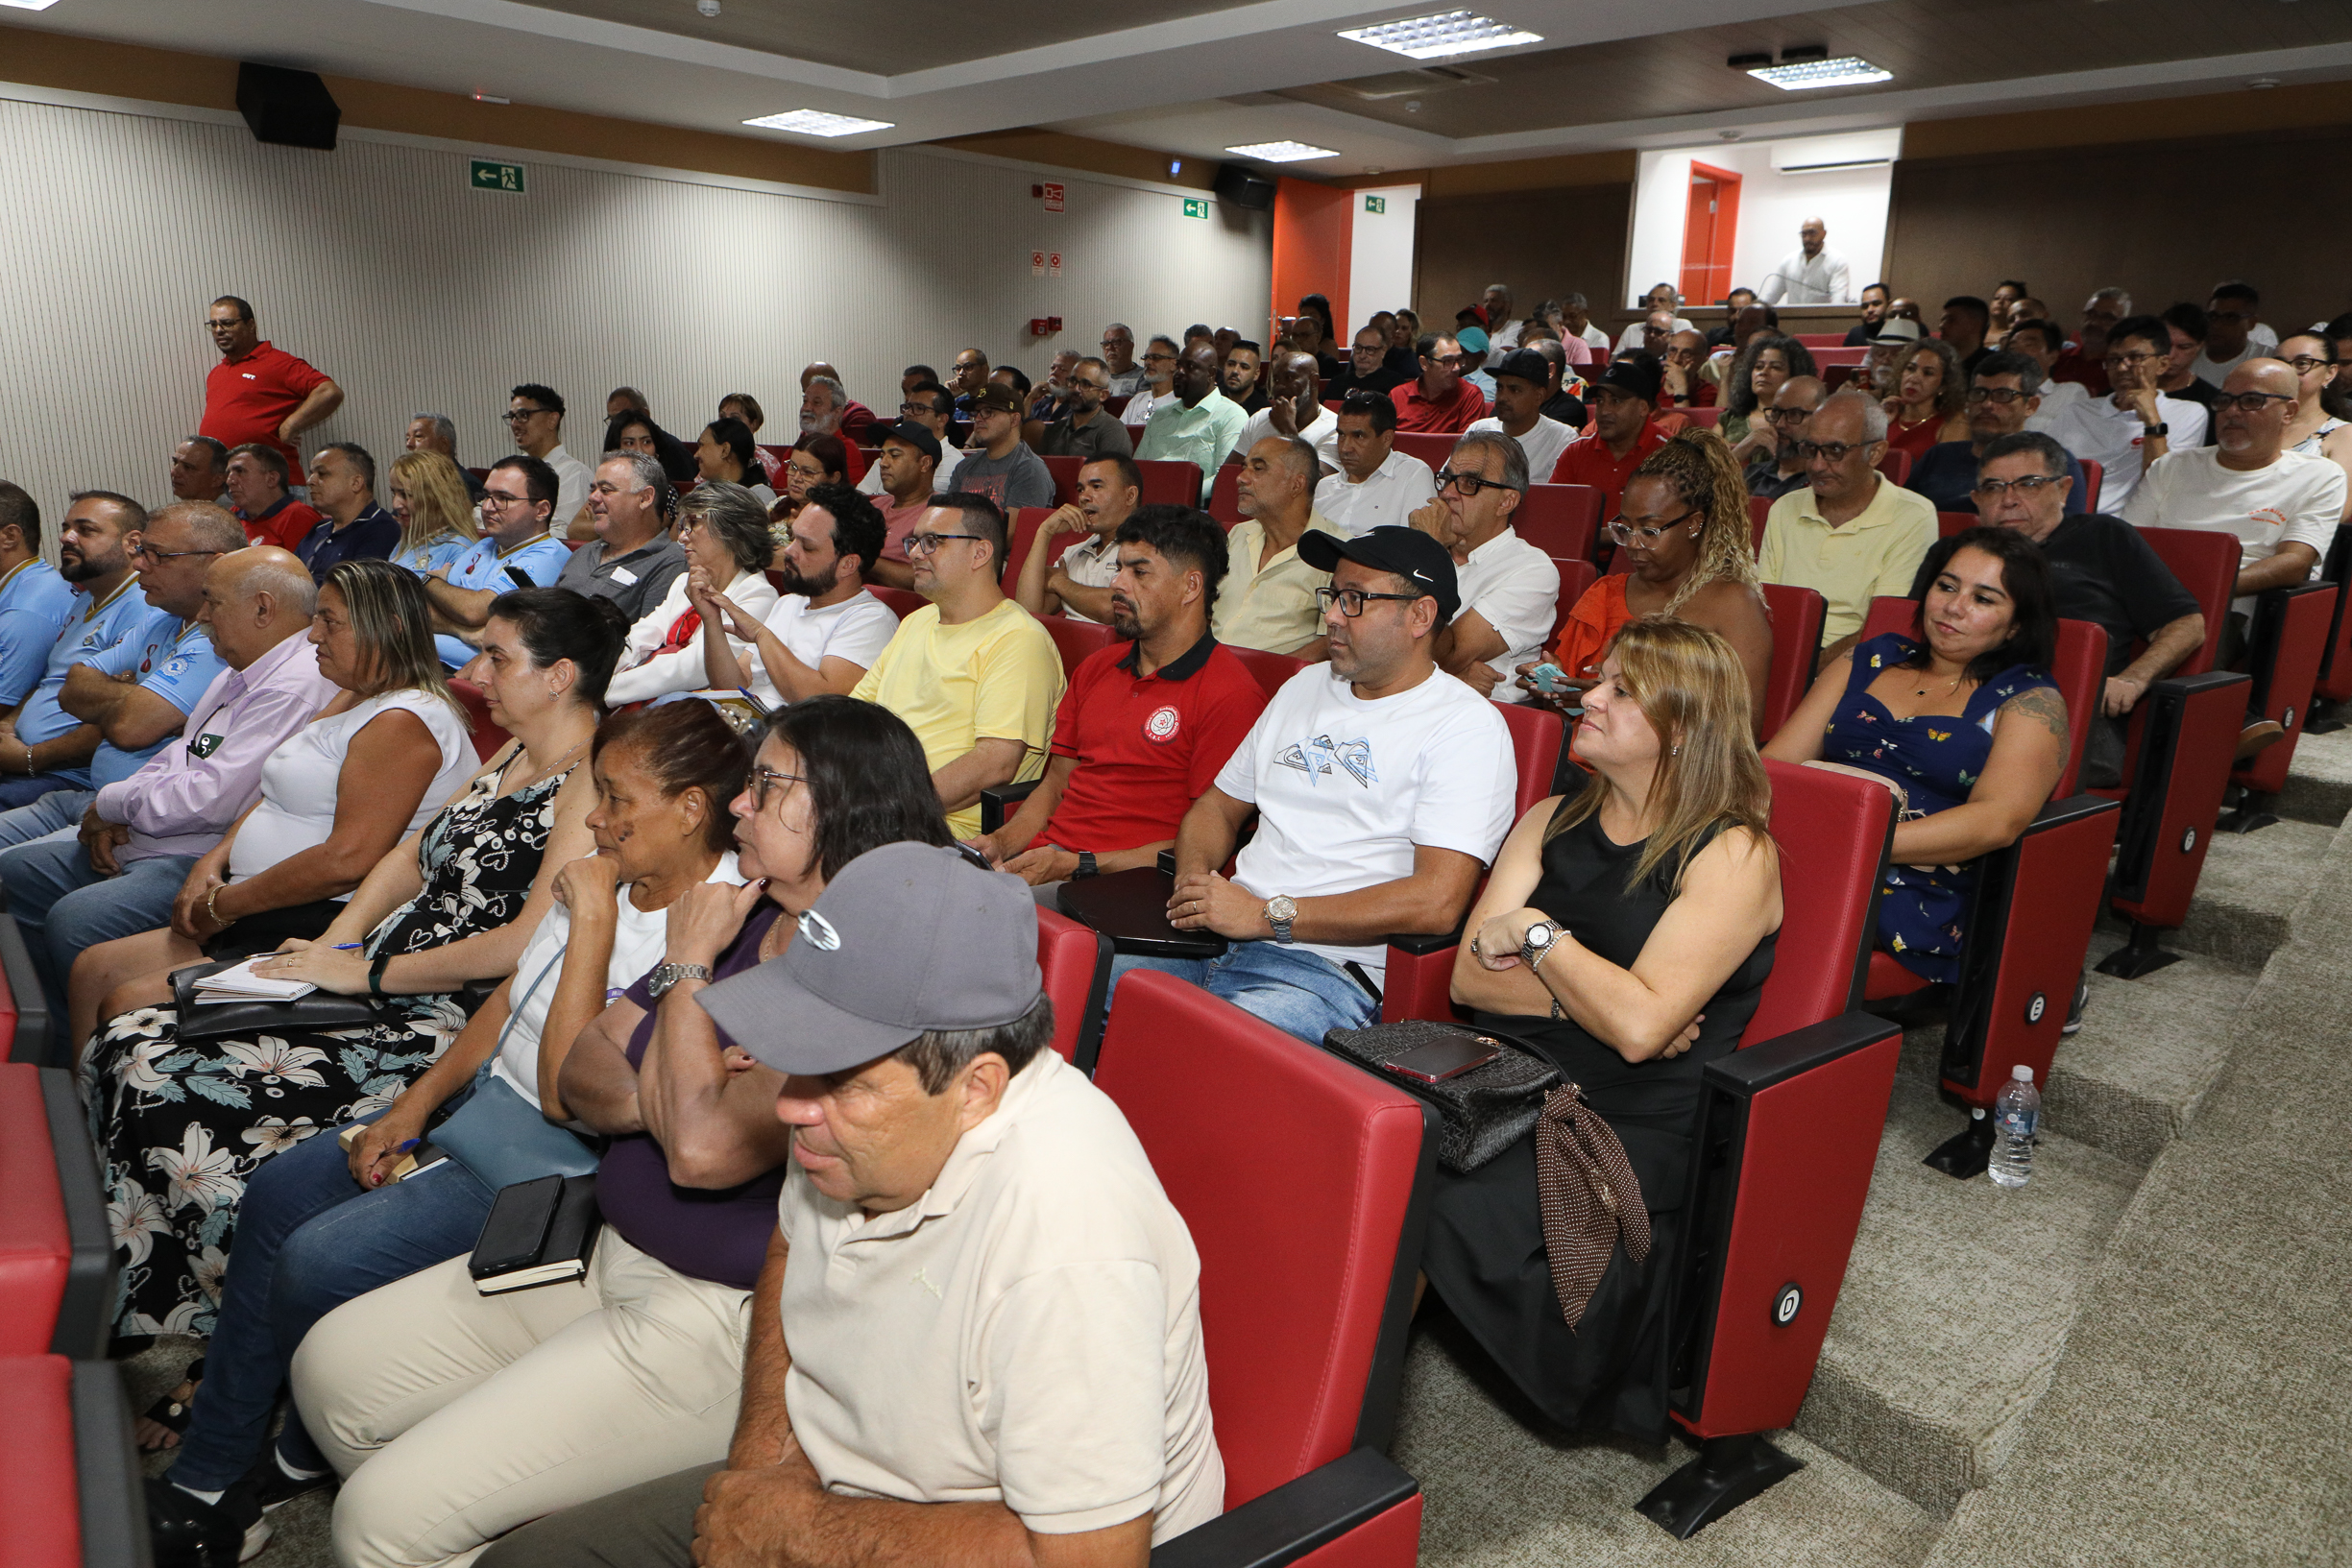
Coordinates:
[1521,383]
[1810,275]
[2233,332]
[1295,408]
[1382,790]
[1159,362]
[826,630]
[1576,318]
[1510,588]
[1502,326]
[1376,484]
[2131,428]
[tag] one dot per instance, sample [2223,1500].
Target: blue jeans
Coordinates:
[16,792]
[62,906]
[57,811]
[310,1238]
[1300,993]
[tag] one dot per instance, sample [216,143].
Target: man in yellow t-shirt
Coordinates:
[973,674]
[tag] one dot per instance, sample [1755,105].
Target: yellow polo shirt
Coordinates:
[997,678]
[1877,553]
[1272,608]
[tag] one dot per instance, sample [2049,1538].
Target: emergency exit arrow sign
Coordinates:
[503,177]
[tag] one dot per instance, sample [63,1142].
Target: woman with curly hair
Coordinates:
[1755,374]
[1684,536]
[1931,399]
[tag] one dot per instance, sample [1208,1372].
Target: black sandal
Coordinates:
[172,1414]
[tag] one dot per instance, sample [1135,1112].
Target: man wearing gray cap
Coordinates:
[977,1293]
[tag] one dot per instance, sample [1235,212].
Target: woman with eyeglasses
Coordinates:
[2313,429]
[1686,541]
[428,497]
[1928,405]
[818,460]
[728,546]
[646,1354]
[1756,375]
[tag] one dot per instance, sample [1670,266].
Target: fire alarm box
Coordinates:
[1037,327]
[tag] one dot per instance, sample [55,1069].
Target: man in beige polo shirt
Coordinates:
[1851,534]
[1268,600]
[978,1292]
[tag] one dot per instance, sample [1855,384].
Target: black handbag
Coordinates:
[1482,1112]
[314,1014]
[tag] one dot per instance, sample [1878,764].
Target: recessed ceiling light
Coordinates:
[818,122]
[1447,32]
[1281,151]
[1845,71]
[29,5]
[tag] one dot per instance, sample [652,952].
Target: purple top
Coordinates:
[717,1236]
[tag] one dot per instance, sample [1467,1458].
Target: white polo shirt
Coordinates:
[2296,500]
[1514,587]
[1390,493]
[1543,444]
[1324,435]
[2094,430]
[1027,1332]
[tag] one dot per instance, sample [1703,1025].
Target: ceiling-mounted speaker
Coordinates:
[292,108]
[1245,188]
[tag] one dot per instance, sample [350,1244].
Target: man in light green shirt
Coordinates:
[1851,534]
[1200,424]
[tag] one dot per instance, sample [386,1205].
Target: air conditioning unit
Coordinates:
[1418,82]
[1819,154]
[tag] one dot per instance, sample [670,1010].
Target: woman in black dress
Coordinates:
[1658,890]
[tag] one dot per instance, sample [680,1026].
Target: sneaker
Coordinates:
[2072,1025]
[273,1488]
[189,1532]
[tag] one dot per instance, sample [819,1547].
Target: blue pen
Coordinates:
[348,947]
[405,1144]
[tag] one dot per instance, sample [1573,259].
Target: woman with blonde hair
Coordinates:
[1625,936]
[1930,402]
[1685,537]
[428,497]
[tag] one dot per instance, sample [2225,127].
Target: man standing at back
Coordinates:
[535,418]
[995,463]
[256,480]
[1076,579]
[1810,275]
[35,601]
[260,393]
[1268,600]
[1851,534]
[1198,424]
[1441,401]
[353,526]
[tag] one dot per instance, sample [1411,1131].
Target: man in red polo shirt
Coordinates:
[258,393]
[1146,724]
[1441,401]
[1621,399]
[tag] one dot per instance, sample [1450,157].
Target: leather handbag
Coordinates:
[500,1136]
[1482,1112]
[315,1013]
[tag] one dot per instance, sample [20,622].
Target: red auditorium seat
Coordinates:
[1077,966]
[1272,669]
[1576,578]
[1949,523]
[24,1006]
[1896,465]
[1225,495]
[1840,356]
[1706,417]
[1025,521]
[2092,474]
[1798,616]
[1064,471]
[1562,520]
[2334,683]
[57,1250]
[487,738]
[1760,509]
[2286,644]
[1835,377]
[903,601]
[70,1487]
[1431,447]
[1822,339]
[1166,483]
[1116,406]
[1305,1304]
[1078,640]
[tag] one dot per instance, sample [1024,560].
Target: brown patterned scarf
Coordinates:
[1590,1196]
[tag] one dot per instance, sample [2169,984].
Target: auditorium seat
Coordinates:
[1305,1303]
[1064,471]
[1225,495]
[1576,578]
[1166,483]
[2335,682]
[56,1250]
[1075,962]
[1270,670]
[488,736]
[1562,520]
[1431,447]
[1839,355]
[2092,474]
[24,1006]
[1025,521]
[1798,616]
[1759,510]
[903,601]
[1949,523]
[1896,465]
[1822,339]
[70,1489]
[1076,639]
[1115,406]
[2286,644]
[1707,417]
[1835,377]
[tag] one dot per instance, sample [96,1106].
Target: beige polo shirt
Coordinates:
[1025,1333]
[1273,608]
[1877,553]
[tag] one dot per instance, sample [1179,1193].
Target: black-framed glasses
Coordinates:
[515,416]
[2305,364]
[763,779]
[1835,450]
[2112,360]
[1469,484]
[2248,402]
[153,554]
[1789,416]
[1625,533]
[2026,488]
[498,501]
[1455,360]
[925,543]
[2004,396]
[917,410]
[1159,360]
[1352,600]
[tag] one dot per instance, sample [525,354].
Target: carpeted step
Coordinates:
[1956,1303]
[2251,882]
[1503,1491]
[2319,781]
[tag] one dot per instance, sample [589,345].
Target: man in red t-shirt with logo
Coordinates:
[1441,401]
[1146,724]
[258,393]
[1622,400]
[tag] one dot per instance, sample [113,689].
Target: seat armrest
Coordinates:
[84,1308]
[114,1498]
[30,1001]
[1421,947]
[1295,1518]
[999,802]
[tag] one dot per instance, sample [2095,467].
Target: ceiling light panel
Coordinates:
[1281,151]
[1447,32]
[29,5]
[1845,71]
[817,122]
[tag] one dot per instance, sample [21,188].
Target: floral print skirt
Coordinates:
[180,1127]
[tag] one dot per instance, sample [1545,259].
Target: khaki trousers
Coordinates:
[453,1416]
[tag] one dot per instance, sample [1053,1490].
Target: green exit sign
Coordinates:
[1375,204]
[1195,207]
[488,176]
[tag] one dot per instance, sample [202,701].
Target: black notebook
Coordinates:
[538,1233]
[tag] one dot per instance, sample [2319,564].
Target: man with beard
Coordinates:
[1077,579]
[826,409]
[1145,723]
[1238,381]
[1082,428]
[826,631]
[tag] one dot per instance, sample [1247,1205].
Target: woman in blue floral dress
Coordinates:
[182,1124]
[1961,717]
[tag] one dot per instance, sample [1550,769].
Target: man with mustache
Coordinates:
[826,630]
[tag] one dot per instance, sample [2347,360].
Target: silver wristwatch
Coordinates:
[667,976]
[1280,910]
[1539,941]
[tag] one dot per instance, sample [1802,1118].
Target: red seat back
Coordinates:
[1562,520]
[1076,639]
[1077,963]
[2336,666]
[2092,474]
[2206,563]
[1838,353]
[488,736]
[1759,508]
[35,1239]
[1302,1301]
[903,601]
[1834,831]
[1536,735]
[1165,483]
[1064,471]
[1270,670]
[1708,418]
[1025,522]
[1896,465]
[1431,447]
[1798,615]
[1822,339]
[1949,523]
[39,1489]
[2080,671]
[1225,495]
[1834,376]
[1576,578]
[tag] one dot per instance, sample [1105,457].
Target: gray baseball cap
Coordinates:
[908,938]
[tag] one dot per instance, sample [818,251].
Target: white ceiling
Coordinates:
[1170,84]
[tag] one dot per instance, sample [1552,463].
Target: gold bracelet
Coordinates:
[214,915]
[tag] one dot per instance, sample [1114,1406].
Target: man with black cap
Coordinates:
[996,463]
[977,1293]
[1621,435]
[1559,403]
[909,469]
[1521,383]
[1382,790]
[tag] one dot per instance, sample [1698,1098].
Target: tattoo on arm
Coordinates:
[2044,707]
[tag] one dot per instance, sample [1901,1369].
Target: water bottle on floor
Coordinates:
[2016,1114]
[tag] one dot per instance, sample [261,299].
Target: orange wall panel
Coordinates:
[1314,240]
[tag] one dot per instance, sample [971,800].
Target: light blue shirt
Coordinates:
[1202,434]
[115,638]
[35,602]
[540,558]
[179,671]
[439,553]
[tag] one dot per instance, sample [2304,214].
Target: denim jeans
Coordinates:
[310,1238]
[1300,993]
[16,792]
[62,906]
[57,811]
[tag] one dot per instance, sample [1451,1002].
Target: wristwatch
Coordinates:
[1085,865]
[667,976]
[1539,941]
[1280,910]
[2159,429]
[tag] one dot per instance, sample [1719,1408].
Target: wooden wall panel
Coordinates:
[1542,244]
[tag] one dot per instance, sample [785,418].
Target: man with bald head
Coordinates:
[1851,534]
[1198,424]
[1810,275]
[113,865]
[1295,408]
[1268,599]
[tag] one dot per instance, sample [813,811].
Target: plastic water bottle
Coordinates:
[2016,1114]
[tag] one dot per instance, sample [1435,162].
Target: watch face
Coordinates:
[1280,908]
[1541,931]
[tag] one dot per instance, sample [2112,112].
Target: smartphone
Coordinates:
[518,1226]
[1548,678]
[1443,1059]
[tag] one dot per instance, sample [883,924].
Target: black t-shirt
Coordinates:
[1382,381]
[1860,334]
[2207,395]
[1565,407]
[2102,572]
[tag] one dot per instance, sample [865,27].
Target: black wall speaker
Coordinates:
[1245,188]
[292,108]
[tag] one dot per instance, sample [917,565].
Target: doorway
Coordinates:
[1708,227]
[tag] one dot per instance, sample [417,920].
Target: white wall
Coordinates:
[1380,265]
[1852,202]
[376,263]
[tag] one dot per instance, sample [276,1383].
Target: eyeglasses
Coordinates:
[1445,359]
[515,416]
[1159,360]
[2026,488]
[1625,533]
[2305,364]
[925,543]
[1835,450]
[1470,484]
[763,780]
[498,501]
[153,554]
[1352,600]
[2112,360]
[2004,396]
[1789,416]
[2248,402]
[913,410]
